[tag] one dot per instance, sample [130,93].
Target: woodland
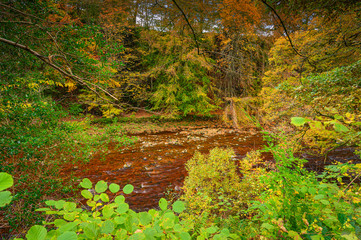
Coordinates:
[75,75]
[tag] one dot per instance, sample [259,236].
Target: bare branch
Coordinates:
[190,26]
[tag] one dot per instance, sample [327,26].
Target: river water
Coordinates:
[156,163]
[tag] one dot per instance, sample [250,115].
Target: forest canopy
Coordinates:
[291,68]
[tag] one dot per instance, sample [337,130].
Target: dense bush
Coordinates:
[216,192]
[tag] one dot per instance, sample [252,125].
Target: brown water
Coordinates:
[156,163]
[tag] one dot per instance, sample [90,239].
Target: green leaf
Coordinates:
[101,186]
[319,196]
[114,188]
[6,181]
[67,227]
[122,208]
[225,232]
[267,226]
[86,194]
[340,128]
[50,202]
[299,121]
[137,236]
[211,230]
[325,202]
[121,234]
[59,204]
[86,183]
[185,236]
[36,233]
[120,220]
[5,198]
[119,199]
[70,216]
[91,230]
[178,206]
[150,233]
[69,206]
[128,189]
[163,204]
[91,203]
[107,211]
[145,218]
[107,227]
[68,236]
[104,197]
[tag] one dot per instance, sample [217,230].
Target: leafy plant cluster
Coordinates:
[214,191]
[105,218]
[298,204]
[35,140]
[335,100]
[287,201]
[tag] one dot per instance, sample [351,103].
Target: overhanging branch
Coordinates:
[68,73]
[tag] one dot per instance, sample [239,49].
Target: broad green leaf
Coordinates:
[59,204]
[120,220]
[178,206]
[50,202]
[69,206]
[91,230]
[36,233]
[150,233]
[185,236]
[122,208]
[299,121]
[59,222]
[5,198]
[163,204]
[168,223]
[340,128]
[107,227]
[107,211]
[101,186]
[121,234]
[104,197]
[119,199]
[145,218]
[137,236]
[325,202]
[86,194]
[70,216]
[319,196]
[86,183]
[128,189]
[91,203]
[67,227]
[267,226]
[96,197]
[6,181]
[211,230]
[225,232]
[68,236]
[114,188]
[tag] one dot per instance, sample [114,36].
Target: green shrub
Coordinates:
[303,205]
[106,218]
[215,192]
